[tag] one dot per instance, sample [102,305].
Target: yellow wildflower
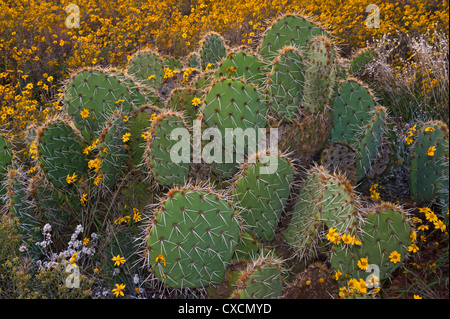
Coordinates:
[431,150]
[136,216]
[413,248]
[348,239]
[98,179]
[440,225]
[126,137]
[85,113]
[96,164]
[394,257]
[363,263]
[337,275]
[83,199]
[71,179]
[118,290]
[162,258]
[333,236]
[118,260]
[196,101]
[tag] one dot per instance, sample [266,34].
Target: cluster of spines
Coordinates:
[192,237]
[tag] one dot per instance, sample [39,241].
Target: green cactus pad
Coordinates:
[262,194]
[193,60]
[21,207]
[361,58]
[262,279]
[285,83]
[289,30]
[320,75]
[243,64]
[5,154]
[192,237]
[371,142]
[182,100]
[91,95]
[60,151]
[147,67]
[139,122]
[233,104]
[352,109]
[385,230]
[213,49]
[324,200]
[430,157]
[5,160]
[114,150]
[159,147]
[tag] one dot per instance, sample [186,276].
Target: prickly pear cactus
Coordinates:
[262,192]
[286,82]
[231,105]
[19,205]
[371,142]
[168,163]
[113,153]
[262,279]
[192,237]
[186,100]
[60,152]
[325,200]
[213,49]
[288,30]
[352,108]
[361,58]
[320,75]
[306,135]
[193,60]
[384,237]
[430,157]
[91,96]
[147,67]
[244,64]
[139,122]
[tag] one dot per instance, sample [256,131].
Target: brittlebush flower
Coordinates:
[118,260]
[413,248]
[85,113]
[161,258]
[363,263]
[136,216]
[337,275]
[196,101]
[126,137]
[83,199]
[440,225]
[118,290]
[71,179]
[394,257]
[431,150]
[333,236]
